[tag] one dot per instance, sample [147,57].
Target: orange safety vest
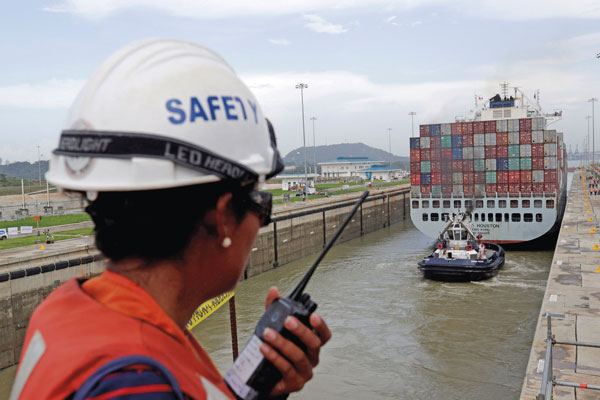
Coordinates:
[71,335]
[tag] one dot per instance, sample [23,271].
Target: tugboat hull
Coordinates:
[441,269]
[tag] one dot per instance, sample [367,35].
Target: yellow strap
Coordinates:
[208,308]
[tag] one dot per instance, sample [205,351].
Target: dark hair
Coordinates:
[155,225]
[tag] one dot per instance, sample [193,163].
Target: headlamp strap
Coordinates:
[109,144]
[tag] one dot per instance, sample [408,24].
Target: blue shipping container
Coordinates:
[415,143]
[435,130]
[457,141]
[502,164]
[425,179]
[457,153]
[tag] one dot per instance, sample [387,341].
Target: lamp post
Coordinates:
[588,117]
[593,100]
[390,144]
[303,86]
[412,123]
[313,119]
[39,167]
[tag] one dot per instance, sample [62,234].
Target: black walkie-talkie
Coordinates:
[252,376]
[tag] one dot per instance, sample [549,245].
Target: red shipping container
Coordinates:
[537,162]
[415,168]
[525,176]
[491,188]
[502,187]
[436,166]
[436,178]
[468,190]
[447,190]
[502,139]
[415,179]
[447,154]
[525,124]
[525,137]
[490,151]
[467,165]
[447,179]
[415,155]
[514,176]
[537,187]
[436,154]
[479,177]
[514,187]
[454,127]
[537,150]
[489,126]
[457,165]
[479,127]
[424,130]
[436,142]
[550,176]
[425,155]
[501,151]
[502,177]
[526,188]
[468,128]
[425,189]
[467,140]
[468,178]
[549,187]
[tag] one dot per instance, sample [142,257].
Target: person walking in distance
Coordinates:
[169,147]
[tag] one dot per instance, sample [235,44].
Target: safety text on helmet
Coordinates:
[228,107]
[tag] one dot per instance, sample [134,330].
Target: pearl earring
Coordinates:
[226,242]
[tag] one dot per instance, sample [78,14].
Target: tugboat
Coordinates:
[460,256]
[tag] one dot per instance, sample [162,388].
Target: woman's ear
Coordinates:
[225,221]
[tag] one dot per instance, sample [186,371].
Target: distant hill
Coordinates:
[333,151]
[24,169]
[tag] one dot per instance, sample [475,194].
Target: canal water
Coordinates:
[396,335]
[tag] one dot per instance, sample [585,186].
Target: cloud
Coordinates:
[318,24]
[54,93]
[416,23]
[213,9]
[279,42]
[392,20]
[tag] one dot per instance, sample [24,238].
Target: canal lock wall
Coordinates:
[25,282]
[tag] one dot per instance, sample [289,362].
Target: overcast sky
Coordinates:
[368,63]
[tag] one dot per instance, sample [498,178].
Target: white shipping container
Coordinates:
[513,137]
[501,125]
[525,150]
[457,189]
[479,189]
[415,190]
[457,178]
[513,125]
[467,153]
[478,152]
[550,163]
[550,149]
[537,137]
[446,129]
[559,137]
[490,139]
[479,139]
[490,164]
[538,123]
[550,136]
[425,142]
[537,176]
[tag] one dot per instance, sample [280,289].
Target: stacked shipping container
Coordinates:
[485,157]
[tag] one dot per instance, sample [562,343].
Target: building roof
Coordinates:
[340,160]
[297,175]
[379,168]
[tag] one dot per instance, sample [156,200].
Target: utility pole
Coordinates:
[390,143]
[588,117]
[313,119]
[593,100]
[303,86]
[39,166]
[412,123]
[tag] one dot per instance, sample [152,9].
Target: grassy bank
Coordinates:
[47,221]
[30,240]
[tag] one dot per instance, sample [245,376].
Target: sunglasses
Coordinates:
[261,203]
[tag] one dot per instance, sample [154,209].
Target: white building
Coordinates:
[380,172]
[296,180]
[346,166]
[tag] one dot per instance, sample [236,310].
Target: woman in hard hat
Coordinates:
[168,146]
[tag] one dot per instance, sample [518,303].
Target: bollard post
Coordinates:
[275,261]
[233,324]
[388,207]
[324,230]
[361,220]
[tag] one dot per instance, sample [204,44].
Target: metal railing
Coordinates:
[548,378]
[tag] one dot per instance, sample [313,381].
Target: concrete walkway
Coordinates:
[573,294]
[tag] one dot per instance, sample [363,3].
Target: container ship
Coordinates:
[504,167]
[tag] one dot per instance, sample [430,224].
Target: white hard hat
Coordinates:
[162,113]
